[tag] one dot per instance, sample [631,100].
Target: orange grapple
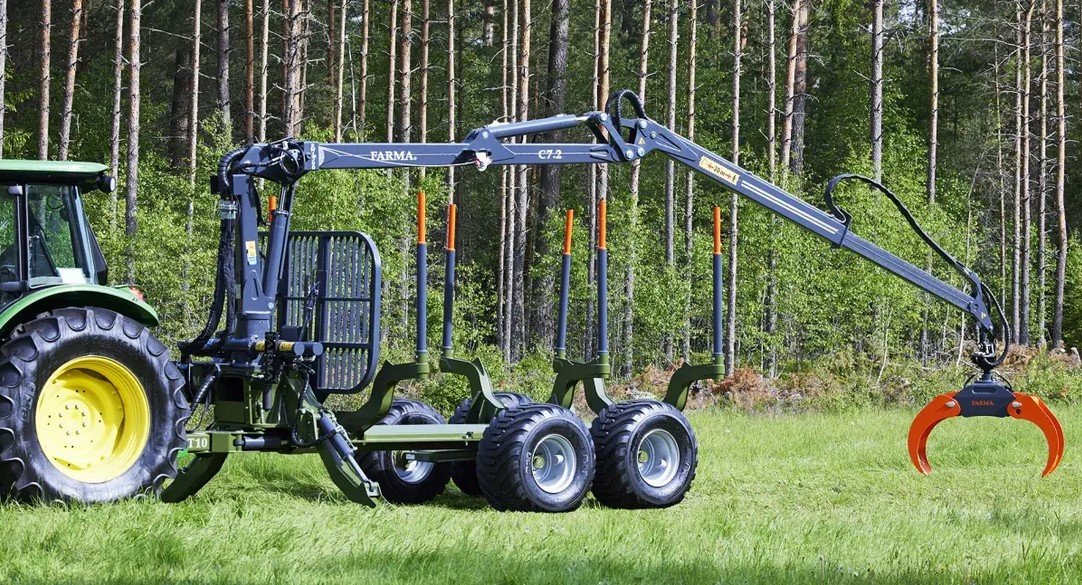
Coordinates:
[985,397]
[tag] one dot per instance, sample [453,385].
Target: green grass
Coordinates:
[805,498]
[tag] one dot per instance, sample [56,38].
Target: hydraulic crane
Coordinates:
[251,280]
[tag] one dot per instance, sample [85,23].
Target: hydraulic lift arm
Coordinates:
[619,139]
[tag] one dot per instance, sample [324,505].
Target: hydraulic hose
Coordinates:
[224,278]
[985,358]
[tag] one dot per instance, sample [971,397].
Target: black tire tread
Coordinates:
[503,438]
[17,357]
[373,463]
[464,473]
[611,432]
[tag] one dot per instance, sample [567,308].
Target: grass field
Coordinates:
[802,498]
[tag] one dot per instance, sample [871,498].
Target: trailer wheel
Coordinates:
[535,458]
[402,481]
[646,455]
[91,409]
[464,473]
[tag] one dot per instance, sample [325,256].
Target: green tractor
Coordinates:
[91,407]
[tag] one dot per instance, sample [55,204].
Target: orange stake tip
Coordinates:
[602,228]
[569,224]
[421,235]
[452,214]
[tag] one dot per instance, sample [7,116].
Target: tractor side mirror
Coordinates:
[15,190]
[106,183]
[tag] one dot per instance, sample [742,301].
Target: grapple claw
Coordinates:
[939,409]
[985,397]
[1033,409]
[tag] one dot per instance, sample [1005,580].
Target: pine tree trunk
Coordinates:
[1042,188]
[800,95]
[3,69]
[361,105]
[249,71]
[628,317]
[264,55]
[451,88]
[193,113]
[689,183]
[1061,174]
[131,224]
[602,20]
[392,61]
[770,296]
[1001,180]
[340,67]
[114,134]
[291,67]
[1027,223]
[66,110]
[223,63]
[876,132]
[523,186]
[1016,245]
[731,281]
[670,117]
[46,79]
[180,106]
[554,97]
[506,276]
[405,73]
[933,98]
[422,105]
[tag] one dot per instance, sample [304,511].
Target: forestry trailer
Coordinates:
[93,409]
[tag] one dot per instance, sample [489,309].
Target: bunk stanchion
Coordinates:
[389,375]
[687,374]
[602,285]
[483,401]
[449,281]
[592,374]
[422,281]
[565,288]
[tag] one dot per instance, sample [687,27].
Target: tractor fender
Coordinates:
[120,300]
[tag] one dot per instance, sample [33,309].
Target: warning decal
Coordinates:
[718,170]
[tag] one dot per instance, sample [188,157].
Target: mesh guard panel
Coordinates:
[344,269]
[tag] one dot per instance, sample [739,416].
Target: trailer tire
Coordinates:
[464,473]
[647,455]
[535,458]
[124,404]
[407,482]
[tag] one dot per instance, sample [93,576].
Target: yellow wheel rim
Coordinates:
[92,419]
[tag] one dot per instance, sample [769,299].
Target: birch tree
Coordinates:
[340,69]
[689,182]
[730,309]
[876,131]
[114,133]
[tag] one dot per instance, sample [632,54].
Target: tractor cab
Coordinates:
[45,238]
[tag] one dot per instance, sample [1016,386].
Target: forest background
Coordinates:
[963,108]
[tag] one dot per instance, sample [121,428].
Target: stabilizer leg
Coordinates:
[193,477]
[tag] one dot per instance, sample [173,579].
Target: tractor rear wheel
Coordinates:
[646,455]
[91,409]
[402,481]
[464,473]
[535,458]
